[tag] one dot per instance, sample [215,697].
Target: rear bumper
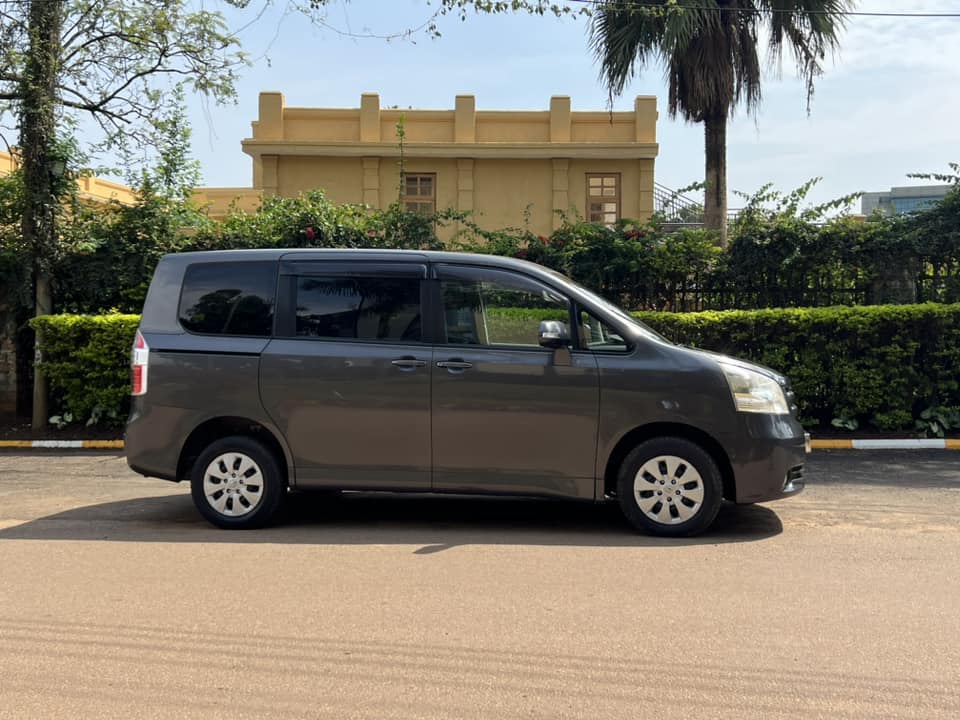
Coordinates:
[148,441]
[770,465]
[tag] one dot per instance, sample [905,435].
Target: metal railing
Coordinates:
[675,207]
[679,210]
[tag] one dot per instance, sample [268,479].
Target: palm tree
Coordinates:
[709,51]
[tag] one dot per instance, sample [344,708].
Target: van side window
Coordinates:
[386,308]
[234,298]
[494,307]
[598,336]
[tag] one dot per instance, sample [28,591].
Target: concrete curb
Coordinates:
[63,444]
[904,444]
[853,444]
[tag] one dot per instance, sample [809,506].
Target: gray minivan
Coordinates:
[256,372]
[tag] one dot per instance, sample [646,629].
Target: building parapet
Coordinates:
[218,201]
[463,131]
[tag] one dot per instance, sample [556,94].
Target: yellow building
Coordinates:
[7,164]
[499,165]
[90,188]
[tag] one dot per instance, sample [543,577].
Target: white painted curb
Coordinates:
[64,444]
[815,444]
[898,444]
[887,444]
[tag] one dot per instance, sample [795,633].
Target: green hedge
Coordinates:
[881,366]
[86,359]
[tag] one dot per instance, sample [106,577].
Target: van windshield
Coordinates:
[609,307]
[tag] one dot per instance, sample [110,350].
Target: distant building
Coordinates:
[899,200]
[90,188]
[507,167]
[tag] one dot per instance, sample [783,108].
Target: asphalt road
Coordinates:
[116,601]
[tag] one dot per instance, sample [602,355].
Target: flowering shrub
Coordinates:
[638,265]
[112,267]
[779,255]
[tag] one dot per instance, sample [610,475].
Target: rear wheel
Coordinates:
[670,486]
[237,483]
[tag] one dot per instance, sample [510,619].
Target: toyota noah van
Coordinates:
[258,372]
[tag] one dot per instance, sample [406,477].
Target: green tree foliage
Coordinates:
[109,250]
[311,220]
[785,254]
[110,264]
[108,61]
[16,254]
[935,232]
[633,264]
[117,62]
[782,253]
[709,49]
[12,253]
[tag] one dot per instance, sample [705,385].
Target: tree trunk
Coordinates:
[37,141]
[44,306]
[715,150]
[895,284]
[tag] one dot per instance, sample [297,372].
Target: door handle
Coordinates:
[408,362]
[454,365]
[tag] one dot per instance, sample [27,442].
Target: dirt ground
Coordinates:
[118,601]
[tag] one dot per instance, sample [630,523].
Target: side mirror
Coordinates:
[553,334]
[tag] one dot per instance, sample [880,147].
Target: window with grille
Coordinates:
[603,198]
[420,193]
[358,308]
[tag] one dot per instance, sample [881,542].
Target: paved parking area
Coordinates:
[117,601]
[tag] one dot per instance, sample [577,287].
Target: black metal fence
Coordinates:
[721,290]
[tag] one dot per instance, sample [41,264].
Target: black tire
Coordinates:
[242,507]
[674,507]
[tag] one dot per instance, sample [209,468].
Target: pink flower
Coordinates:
[311,235]
[521,254]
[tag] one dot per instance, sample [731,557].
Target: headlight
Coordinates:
[754,392]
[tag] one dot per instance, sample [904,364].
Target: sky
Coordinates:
[887,105]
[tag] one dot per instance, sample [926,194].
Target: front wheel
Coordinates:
[237,484]
[670,486]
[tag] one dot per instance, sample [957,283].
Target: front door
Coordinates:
[347,378]
[509,416]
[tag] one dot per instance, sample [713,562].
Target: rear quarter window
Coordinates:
[232,298]
[359,308]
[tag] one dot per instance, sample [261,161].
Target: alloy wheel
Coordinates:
[233,484]
[668,489]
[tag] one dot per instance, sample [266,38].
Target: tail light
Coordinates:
[139,362]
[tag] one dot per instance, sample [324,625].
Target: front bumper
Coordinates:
[769,464]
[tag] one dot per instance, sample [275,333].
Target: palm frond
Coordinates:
[708,48]
[809,29]
[625,38]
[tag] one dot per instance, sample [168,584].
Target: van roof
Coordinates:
[349,254]
[167,279]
